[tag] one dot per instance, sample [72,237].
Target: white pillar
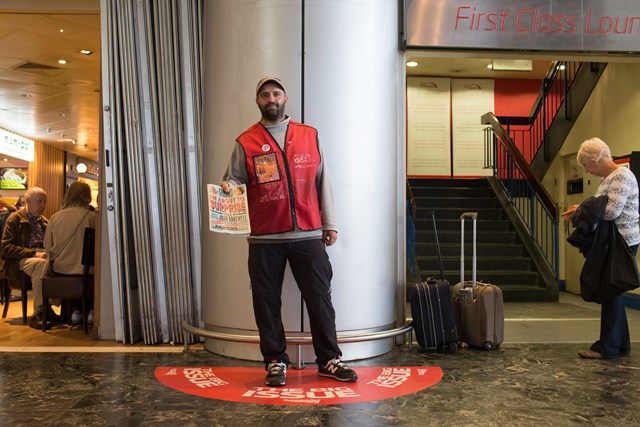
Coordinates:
[345,76]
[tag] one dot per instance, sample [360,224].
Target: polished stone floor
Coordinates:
[529,381]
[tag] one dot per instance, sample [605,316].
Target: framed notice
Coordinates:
[428,126]
[470,99]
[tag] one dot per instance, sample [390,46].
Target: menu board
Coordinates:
[470,100]
[428,126]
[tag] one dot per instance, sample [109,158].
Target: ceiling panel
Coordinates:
[461,66]
[56,105]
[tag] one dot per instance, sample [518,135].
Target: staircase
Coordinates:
[502,259]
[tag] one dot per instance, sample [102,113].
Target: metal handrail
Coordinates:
[516,155]
[253,339]
[533,204]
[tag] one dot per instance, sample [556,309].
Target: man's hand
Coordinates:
[329,237]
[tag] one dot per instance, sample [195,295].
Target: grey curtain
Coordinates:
[152,86]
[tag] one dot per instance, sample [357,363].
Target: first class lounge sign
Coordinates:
[553,25]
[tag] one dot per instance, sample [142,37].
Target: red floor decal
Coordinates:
[304,387]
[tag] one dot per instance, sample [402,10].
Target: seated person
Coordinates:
[64,237]
[22,248]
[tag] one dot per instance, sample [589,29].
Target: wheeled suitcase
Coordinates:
[478,307]
[432,309]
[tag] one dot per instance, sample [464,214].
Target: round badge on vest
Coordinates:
[266,147]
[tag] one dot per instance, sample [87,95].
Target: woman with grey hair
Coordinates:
[64,237]
[620,186]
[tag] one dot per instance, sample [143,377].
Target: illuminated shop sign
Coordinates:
[16,146]
[558,25]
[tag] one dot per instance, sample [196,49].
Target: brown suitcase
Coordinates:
[478,307]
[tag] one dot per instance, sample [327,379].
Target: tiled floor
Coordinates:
[534,379]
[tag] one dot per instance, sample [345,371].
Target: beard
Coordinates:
[272,114]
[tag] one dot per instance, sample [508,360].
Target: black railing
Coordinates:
[413,273]
[535,207]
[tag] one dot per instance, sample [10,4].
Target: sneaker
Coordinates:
[276,374]
[76,317]
[337,370]
[90,318]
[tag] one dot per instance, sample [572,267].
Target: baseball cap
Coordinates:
[269,79]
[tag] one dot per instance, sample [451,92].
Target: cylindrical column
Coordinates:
[343,73]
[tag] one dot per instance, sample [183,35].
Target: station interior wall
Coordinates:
[611,113]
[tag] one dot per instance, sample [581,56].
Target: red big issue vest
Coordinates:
[278,180]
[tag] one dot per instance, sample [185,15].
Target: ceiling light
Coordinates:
[512,64]
[81,167]
[561,67]
[61,30]
[62,61]
[412,64]
[490,66]
[86,51]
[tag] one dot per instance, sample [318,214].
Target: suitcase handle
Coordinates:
[473,216]
[435,233]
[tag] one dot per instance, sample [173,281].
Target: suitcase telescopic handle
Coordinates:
[473,216]
[435,234]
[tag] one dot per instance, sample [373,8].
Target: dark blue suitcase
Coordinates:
[432,309]
[432,314]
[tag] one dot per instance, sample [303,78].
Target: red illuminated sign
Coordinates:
[577,25]
[304,387]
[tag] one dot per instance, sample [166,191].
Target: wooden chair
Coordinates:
[73,286]
[23,284]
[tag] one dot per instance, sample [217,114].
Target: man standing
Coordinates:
[292,218]
[22,248]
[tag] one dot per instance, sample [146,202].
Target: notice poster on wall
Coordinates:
[470,100]
[428,126]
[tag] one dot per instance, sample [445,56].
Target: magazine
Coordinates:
[228,212]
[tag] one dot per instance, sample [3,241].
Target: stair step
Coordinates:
[447,182]
[453,249]
[454,236]
[454,213]
[459,202]
[502,259]
[454,225]
[441,192]
[483,263]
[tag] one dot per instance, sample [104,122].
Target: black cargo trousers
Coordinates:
[312,271]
